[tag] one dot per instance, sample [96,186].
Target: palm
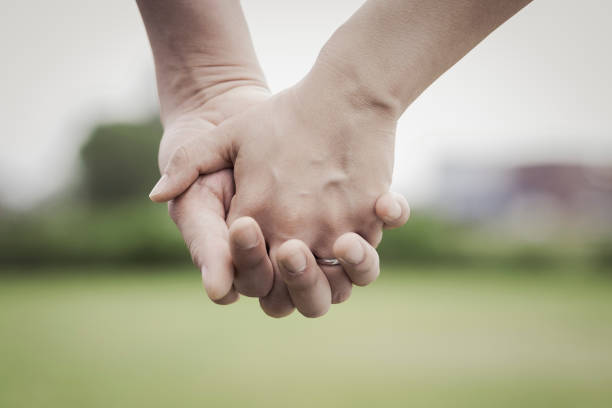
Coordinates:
[201,211]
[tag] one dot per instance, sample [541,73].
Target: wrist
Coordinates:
[349,81]
[194,84]
[345,119]
[201,49]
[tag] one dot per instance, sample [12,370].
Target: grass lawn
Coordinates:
[432,338]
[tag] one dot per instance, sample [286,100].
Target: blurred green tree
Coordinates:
[120,161]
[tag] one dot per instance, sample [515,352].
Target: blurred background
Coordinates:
[498,291]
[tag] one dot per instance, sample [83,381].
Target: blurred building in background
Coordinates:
[533,201]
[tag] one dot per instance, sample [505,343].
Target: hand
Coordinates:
[200,212]
[298,163]
[207,71]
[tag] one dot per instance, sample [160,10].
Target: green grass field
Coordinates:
[433,338]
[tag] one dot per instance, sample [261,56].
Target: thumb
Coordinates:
[198,155]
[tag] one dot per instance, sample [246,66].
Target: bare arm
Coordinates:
[202,49]
[322,151]
[390,51]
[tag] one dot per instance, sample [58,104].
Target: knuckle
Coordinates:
[292,220]
[248,204]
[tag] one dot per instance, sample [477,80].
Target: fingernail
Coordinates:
[395,211]
[295,263]
[247,238]
[354,255]
[159,186]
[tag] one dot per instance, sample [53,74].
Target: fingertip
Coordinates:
[387,208]
[291,259]
[290,246]
[278,302]
[313,314]
[157,194]
[254,275]
[275,309]
[228,299]
[307,285]
[401,200]
[244,233]
[362,269]
[393,209]
[168,188]
[349,248]
[217,282]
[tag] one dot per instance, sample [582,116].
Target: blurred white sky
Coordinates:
[539,88]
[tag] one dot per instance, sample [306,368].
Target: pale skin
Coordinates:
[207,72]
[312,164]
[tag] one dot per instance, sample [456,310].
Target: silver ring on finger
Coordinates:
[328,261]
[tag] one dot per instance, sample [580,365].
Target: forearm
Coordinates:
[390,51]
[202,48]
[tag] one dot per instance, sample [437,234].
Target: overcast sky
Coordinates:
[538,89]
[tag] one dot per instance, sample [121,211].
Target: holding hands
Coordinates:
[307,179]
[284,197]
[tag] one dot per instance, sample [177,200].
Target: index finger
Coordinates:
[200,216]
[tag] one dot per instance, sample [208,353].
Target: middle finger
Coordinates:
[307,284]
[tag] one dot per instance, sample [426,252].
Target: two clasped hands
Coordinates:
[284,197]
